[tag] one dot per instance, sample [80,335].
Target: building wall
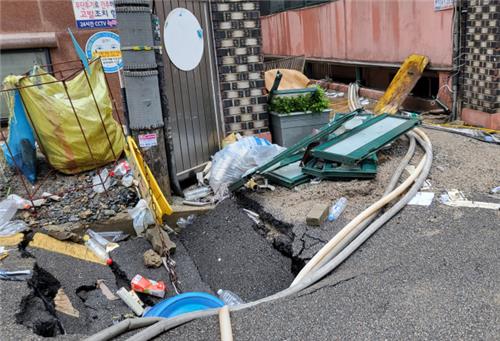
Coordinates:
[362,30]
[237,35]
[49,16]
[480,63]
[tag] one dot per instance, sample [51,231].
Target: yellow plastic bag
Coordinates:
[56,126]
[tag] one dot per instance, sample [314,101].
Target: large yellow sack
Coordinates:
[58,130]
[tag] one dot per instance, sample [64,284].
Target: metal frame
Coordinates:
[367,169]
[368,148]
[74,71]
[323,132]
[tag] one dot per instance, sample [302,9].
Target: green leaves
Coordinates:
[315,102]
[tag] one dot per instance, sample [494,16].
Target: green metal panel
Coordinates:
[358,143]
[288,173]
[367,169]
[323,132]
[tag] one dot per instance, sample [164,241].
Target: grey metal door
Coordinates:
[193,96]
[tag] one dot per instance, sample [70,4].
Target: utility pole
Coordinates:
[140,76]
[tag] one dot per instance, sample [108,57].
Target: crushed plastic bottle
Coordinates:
[229,297]
[337,209]
[96,248]
[197,193]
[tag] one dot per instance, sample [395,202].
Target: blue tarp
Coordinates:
[21,141]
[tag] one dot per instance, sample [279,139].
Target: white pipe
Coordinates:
[226,333]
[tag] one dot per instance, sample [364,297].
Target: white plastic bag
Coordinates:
[8,208]
[12,227]
[102,183]
[232,162]
[141,216]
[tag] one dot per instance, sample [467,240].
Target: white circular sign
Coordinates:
[183,38]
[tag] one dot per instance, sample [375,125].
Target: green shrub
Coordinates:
[315,102]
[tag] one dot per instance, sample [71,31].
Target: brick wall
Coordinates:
[237,36]
[481,49]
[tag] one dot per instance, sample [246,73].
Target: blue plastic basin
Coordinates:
[184,303]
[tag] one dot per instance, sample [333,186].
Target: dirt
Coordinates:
[450,170]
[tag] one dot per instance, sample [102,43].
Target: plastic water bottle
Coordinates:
[197,193]
[229,297]
[96,248]
[337,209]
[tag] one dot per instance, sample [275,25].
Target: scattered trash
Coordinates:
[232,162]
[127,180]
[336,209]
[148,286]
[51,196]
[20,275]
[105,290]
[252,215]
[12,227]
[152,259]
[121,169]
[197,193]
[183,222]
[131,300]
[142,217]
[427,185]
[422,199]
[102,181]
[196,203]
[229,297]
[115,236]
[495,190]
[317,215]
[103,242]
[456,198]
[63,304]
[96,248]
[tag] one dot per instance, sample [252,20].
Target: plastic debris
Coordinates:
[131,300]
[102,181]
[197,193]
[229,297]
[121,169]
[103,242]
[114,236]
[141,216]
[232,162]
[12,227]
[422,199]
[148,286]
[127,180]
[183,222]
[495,190]
[96,248]
[337,209]
[456,198]
[20,275]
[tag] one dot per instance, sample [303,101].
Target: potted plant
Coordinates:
[295,113]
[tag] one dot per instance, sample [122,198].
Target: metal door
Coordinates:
[193,96]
